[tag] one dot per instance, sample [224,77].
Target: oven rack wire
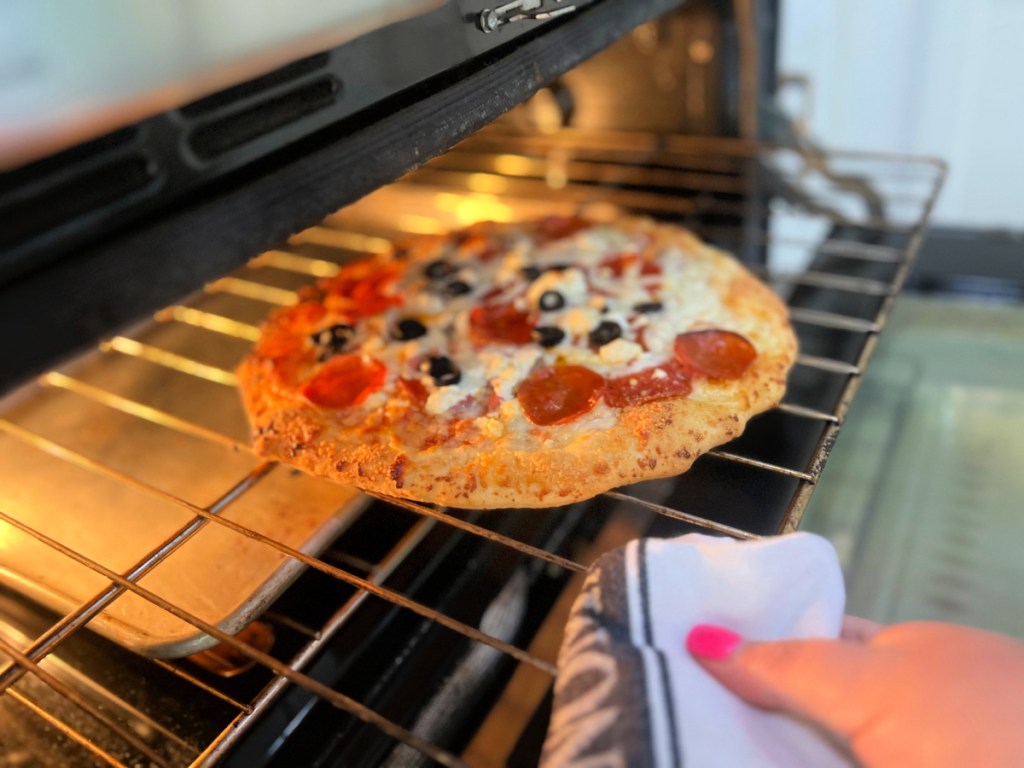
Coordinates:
[627,170]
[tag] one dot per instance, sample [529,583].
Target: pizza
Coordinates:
[518,365]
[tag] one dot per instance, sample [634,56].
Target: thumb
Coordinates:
[833,683]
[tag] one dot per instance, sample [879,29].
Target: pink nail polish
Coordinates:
[711,642]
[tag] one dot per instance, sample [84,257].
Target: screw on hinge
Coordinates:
[488,21]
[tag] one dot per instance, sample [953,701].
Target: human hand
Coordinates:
[915,694]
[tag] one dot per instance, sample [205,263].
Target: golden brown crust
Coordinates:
[537,466]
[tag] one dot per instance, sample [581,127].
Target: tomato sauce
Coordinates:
[619,263]
[414,389]
[557,227]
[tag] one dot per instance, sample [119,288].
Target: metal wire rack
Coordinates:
[834,234]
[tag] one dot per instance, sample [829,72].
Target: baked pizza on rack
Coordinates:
[519,365]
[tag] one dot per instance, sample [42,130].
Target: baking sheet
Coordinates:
[172,430]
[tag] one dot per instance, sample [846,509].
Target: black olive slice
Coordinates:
[606,332]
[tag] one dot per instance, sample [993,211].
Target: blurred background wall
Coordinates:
[941,77]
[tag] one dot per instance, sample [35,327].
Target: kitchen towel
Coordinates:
[629,694]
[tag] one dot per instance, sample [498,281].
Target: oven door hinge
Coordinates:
[490,20]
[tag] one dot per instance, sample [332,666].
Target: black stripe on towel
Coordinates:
[677,757]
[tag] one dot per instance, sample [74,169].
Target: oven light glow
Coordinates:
[447,202]
[469,209]
[513,165]
[7,536]
[295,263]
[487,183]
[482,208]
[271,294]
[557,176]
[420,225]
[602,211]
[134,348]
[337,238]
[207,320]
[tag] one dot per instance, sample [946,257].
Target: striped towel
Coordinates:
[629,694]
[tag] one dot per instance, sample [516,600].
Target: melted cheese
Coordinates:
[593,294]
[506,368]
[571,283]
[620,352]
[445,398]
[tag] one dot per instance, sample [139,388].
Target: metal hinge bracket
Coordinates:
[490,20]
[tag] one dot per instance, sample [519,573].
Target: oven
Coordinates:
[167,597]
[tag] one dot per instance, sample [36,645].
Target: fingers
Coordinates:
[858,629]
[919,693]
[825,681]
[716,649]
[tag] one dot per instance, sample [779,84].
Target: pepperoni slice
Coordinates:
[286,354]
[277,339]
[558,394]
[648,385]
[714,353]
[361,290]
[371,291]
[500,324]
[306,315]
[344,381]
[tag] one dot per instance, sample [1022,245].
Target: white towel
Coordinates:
[629,694]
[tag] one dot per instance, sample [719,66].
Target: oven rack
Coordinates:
[731,193]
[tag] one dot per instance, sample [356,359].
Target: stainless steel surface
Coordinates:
[117,432]
[69,72]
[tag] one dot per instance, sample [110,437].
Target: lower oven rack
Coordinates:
[835,234]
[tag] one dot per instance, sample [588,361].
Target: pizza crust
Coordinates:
[538,466]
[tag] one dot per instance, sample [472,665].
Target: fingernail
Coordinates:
[707,641]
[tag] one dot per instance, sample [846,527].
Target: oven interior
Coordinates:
[277,619]
[415,625]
